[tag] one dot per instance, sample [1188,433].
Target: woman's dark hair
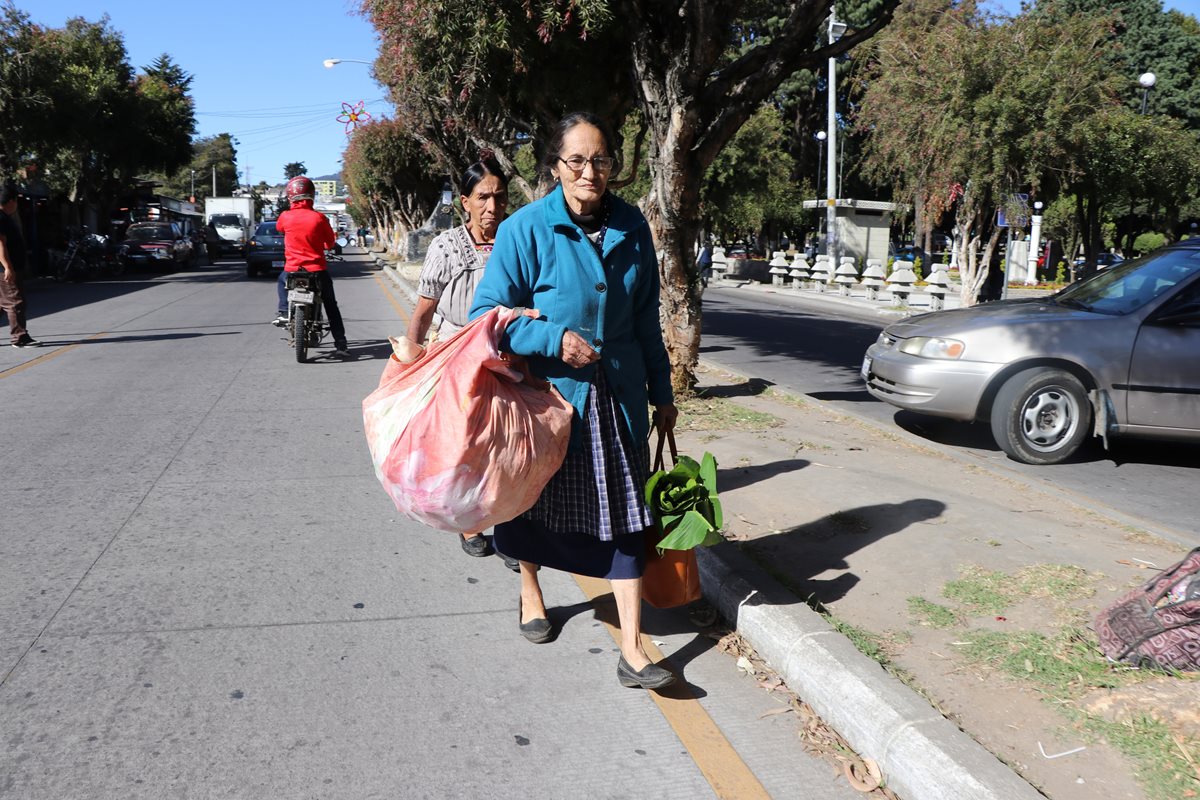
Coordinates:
[554,146]
[486,165]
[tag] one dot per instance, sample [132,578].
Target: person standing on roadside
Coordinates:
[584,259]
[12,258]
[453,267]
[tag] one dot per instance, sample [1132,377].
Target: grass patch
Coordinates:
[787,398]
[1137,536]
[980,590]
[719,414]
[932,615]
[1063,666]
[1163,769]
[983,591]
[1063,582]
[870,644]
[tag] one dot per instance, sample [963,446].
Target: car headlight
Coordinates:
[884,340]
[933,347]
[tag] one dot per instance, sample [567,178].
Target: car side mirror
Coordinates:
[342,241]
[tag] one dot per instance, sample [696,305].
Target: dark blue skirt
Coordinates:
[579,553]
[591,518]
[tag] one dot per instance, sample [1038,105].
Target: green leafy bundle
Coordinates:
[685,504]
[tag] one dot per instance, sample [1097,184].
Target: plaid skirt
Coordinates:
[591,516]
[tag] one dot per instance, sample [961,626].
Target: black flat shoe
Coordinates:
[476,546]
[538,631]
[651,676]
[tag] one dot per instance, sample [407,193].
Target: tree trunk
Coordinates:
[671,208]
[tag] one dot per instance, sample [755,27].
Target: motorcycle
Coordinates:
[304,324]
[87,256]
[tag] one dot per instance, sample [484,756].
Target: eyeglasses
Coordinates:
[599,163]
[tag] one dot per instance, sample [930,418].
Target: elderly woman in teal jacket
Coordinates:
[585,260]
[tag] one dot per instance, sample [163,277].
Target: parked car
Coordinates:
[157,244]
[911,253]
[265,252]
[1113,355]
[1103,260]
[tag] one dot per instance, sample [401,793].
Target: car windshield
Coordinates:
[150,232]
[266,229]
[226,220]
[1129,285]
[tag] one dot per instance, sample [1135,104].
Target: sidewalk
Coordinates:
[964,582]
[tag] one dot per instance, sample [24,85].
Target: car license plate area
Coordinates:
[300,296]
[866,368]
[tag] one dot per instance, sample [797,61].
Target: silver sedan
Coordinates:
[1115,355]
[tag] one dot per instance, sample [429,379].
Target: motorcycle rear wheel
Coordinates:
[300,333]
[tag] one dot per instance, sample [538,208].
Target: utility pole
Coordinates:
[214,166]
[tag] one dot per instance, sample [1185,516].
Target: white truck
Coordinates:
[229,224]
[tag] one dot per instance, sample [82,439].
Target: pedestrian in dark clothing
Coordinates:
[12,258]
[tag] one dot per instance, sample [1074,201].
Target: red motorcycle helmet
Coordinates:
[300,188]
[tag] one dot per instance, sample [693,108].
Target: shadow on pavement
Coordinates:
[738,477]
[860,396]
[751,388]
[796,557]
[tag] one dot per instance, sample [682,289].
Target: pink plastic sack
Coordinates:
[461,439]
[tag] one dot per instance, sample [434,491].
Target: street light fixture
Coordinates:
[836,30]
[330,63]
[1147,81]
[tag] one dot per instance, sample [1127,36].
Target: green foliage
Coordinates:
[749,184]
[685,504]
[388,173]
[1060,274]
[932,614]
[294,169]
[1149,242]
[73,104]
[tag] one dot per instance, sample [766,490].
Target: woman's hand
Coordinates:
[576,352]
[664,417]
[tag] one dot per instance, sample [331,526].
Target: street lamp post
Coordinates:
[330,63]
[820,136]
[1035,240]
[836,29]
[1147,81]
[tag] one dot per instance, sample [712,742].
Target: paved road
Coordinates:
[205,593]
[815,347]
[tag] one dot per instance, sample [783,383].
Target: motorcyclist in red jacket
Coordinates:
[307,234]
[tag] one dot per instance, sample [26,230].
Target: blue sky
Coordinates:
[258,71]
[257,67]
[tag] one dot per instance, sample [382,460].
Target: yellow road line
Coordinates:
[43,359]
[720,764]
[404,315]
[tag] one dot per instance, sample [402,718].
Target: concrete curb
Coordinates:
[923,755]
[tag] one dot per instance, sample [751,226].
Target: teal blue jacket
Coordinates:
[542,260]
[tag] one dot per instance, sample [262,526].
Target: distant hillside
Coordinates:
[337,176]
